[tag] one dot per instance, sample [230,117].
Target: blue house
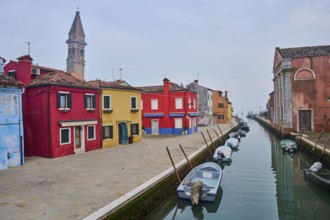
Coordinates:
[11,123]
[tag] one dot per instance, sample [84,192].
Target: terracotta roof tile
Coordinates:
[9,82]
[60,78]
[301,52]
[173,87]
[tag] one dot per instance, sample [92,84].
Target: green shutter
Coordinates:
[94,101]
[58,100]
[69,100]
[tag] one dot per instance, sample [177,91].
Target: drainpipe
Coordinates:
[48,106]
[21,130]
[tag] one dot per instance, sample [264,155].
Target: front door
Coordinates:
[305,120]
[122,132]
[78,139]
[154,126]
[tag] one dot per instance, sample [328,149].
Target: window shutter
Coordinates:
[94,101]
[85,101]
[69,101]
[103,133]
[58,100]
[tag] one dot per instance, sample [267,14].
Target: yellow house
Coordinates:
[230,111]
[120,113]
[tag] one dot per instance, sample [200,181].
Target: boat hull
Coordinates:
[323,180]
[210,174]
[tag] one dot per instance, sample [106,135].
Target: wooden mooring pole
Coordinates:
[325,125]
[220,138]
[191,166]
[325,146]
[177,174]
[207,144]
[210,139]
[220,132]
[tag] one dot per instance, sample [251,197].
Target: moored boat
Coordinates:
[235,135]
[222,154]
[210,174]
[321,178]
[232,142]
[288,145]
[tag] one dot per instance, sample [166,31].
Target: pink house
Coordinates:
[168,109]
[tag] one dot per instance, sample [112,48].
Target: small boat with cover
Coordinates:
[208,175]
[288,145]
[232,142]
[318,176]
[222,154]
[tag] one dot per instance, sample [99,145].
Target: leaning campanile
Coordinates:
[76,48]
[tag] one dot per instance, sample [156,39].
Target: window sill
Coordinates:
[64,109]
[107,111]
[90,109]
[134,110]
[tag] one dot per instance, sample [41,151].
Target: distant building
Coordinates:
[301,88]
[204,103]
[221,107]
[76,48]
[270,106]
[168,109]
[11,123]
[2,64]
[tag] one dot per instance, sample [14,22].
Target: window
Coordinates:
[90,102]
[194,104]
[141,104]
[221,105]
[107,132]
[135,129]
[65,136]
[133,103]
[178,103]
[90,132]
[106,102]
[64,100]
[154,104]
[221,117]
[189,103]
[178,123]
[12,74]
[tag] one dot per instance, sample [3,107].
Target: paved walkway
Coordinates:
[74,187]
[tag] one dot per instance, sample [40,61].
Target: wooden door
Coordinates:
[77,138]
[305,120]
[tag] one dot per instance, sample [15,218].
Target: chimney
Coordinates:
[23,72]
[166,85]
[2,64]
[226,94]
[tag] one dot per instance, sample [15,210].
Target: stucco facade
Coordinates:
[11,123]
[301,88]
[120,113]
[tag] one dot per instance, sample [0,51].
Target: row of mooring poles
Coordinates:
[207,145]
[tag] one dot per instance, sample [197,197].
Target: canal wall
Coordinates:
[137,203]
[315,150]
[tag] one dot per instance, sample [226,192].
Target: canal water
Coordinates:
[260,183]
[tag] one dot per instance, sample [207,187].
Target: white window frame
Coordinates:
[154,104]
[94,135]
[141,104]
[69,129]
[90,98]
[109,134]
[110,105]
[194,103]
[189,103]
[178,103]
[66,100]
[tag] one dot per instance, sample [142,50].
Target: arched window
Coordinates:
[304,74]
[82,52]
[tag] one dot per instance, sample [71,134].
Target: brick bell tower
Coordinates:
[76,48]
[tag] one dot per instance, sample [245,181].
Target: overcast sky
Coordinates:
[222,43]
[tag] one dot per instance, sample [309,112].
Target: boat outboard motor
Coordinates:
[196,192]
[289,147]
[316,167]
[220,155]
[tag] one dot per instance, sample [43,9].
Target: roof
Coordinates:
[77,27]
[114,85]
[301,52]
[60,78]
[173,87]
[9,82]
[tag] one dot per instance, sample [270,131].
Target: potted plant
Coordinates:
[130,139]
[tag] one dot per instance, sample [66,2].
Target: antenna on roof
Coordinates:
[29,44]
[113,74]
[120,69]
[198,76]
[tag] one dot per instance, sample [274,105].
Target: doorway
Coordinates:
[305,120]
[78,139]
[122,133]
[154,126]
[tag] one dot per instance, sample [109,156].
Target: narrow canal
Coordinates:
[260,183]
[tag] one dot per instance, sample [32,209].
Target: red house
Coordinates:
[60,111]
[168,109]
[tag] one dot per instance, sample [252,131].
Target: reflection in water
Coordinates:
[261,183]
